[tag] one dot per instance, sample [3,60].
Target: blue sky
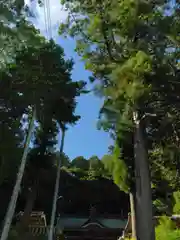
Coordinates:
[83,139]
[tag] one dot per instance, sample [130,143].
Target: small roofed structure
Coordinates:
[94,227]
[36,218]
[37,224]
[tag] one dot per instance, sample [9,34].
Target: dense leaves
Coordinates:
[15,30]
[34,81]
[132,50]
[37,80]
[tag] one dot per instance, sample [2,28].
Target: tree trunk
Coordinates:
[15,193]
[24,221]
[145,225]
[56,190]
[133,215]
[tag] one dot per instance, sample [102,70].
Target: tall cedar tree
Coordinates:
[132,47]
[40,161]
[42,80]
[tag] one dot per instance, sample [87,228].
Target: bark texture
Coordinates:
[56,190]
[145,225]
[15,193]
[133,215]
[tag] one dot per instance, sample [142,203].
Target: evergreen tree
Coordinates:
[15,30]
[40,159]
[41,79]
[121,166]
[126,45]
[80,162]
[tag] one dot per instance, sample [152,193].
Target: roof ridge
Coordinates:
[89,221]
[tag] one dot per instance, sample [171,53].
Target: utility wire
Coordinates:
[45,18]
[49,18]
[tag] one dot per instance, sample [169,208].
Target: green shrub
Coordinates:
[166,230]
[176,208]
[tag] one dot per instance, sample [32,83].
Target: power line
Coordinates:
[49,18]
[45,18]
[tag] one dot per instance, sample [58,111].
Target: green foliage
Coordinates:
[176,208]
[165,176]
[42,153]
[96,168]
[128,54]
[160,206]
[41,77]
[87,169]
[65,161]
[132,50]
[15,31]
[47,82]
[81,163]
[117,168]
[78,172]
[166,230]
